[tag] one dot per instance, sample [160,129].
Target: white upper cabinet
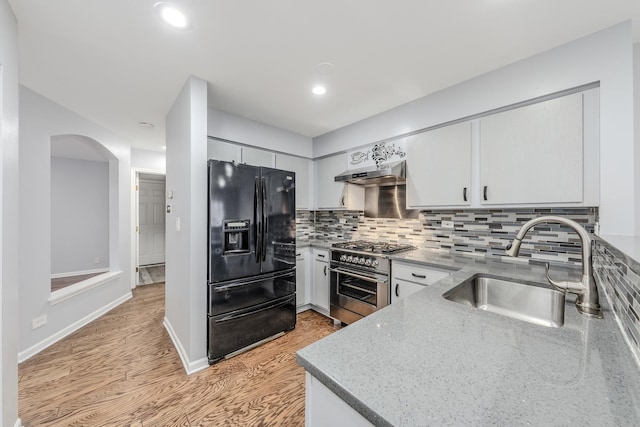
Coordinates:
[225,151]
[230,152]
[302,168]
[439,167]
[255,157]
[336,195]
[533,154]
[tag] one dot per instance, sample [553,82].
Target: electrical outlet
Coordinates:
[447,224]
[96,260]
[39,321]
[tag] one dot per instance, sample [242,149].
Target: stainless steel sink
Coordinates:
[541,306]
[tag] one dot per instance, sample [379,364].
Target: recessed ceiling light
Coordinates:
[164,147]
[319,90]
[172,15]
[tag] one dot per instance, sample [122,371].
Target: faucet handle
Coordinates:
[564,285]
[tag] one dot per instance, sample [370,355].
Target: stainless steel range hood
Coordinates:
[384,190]
[390,173]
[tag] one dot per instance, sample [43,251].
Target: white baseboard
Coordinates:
[79,273]
[18,423]
[301,308]
[37,348]
[189,367]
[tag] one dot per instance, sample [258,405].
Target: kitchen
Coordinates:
[607,55]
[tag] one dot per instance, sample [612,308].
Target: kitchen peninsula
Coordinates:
[428,361]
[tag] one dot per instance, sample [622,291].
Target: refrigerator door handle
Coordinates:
[255,310]
[257,219]
[265,218]
[272,276]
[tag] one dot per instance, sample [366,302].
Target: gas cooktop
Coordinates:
[372,247]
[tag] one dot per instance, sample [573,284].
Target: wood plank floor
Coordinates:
[122,370]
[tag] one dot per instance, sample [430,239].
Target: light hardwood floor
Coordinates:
[122,370]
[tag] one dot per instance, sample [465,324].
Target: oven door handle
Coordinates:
[358,276]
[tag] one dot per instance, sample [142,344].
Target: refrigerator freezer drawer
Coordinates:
[234,331]
[240,294]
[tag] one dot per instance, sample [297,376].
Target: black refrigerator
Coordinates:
[252,247]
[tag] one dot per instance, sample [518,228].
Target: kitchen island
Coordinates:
[428,361]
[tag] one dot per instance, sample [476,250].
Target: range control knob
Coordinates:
[361,261]
[343,258]
[349,258]
[368,262]
[375,263]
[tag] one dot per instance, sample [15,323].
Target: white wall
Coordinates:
[605,56]
[79,215]
[238,129]
[636,128]
[186,256]
[150,160]
[8,216]
[40,119]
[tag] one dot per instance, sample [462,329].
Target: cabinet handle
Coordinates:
[298,254]
[419,276]
[325,270]
[464,193]
[342,201]
[484,192]
[397,286]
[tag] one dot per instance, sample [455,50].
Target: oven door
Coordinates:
[358,292]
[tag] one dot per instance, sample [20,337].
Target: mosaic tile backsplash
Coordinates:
[487,233]
[615,273]
[479,232]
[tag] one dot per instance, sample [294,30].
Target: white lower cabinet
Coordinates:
[303,288]
[402,288]
[323,408]
[320,286]
[408,278]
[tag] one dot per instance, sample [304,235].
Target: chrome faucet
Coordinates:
[587,291]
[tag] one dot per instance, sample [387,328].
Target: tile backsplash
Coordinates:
[478,232]
[619,276]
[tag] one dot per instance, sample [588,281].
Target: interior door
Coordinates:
[151,222]
[279,244]
[233,218]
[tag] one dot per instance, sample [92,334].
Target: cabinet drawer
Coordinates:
[416,273]
[321,255]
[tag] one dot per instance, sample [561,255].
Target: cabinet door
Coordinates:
[439,167]
[330,194]
[255,157]
[301,168]
[303,296]
[225,151]
[533,154]
[401,289]
[321,285]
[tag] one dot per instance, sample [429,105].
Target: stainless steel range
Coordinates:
[360,278]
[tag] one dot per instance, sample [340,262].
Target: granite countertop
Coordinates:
[425,360]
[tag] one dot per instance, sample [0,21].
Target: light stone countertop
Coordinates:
[425,360]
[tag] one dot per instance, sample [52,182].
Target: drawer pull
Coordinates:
[320,255]
[419,276]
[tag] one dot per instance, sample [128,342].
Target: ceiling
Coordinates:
[115,63]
